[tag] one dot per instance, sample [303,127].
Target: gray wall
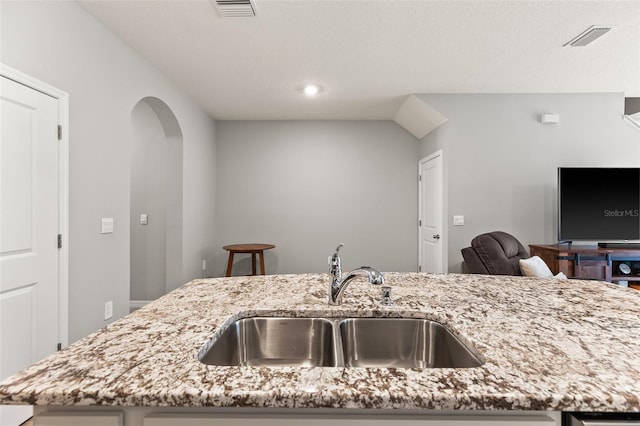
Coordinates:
[156,190]
[62,45]
[306,186]
[501,162]
[148,195]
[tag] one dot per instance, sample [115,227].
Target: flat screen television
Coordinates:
[599,204]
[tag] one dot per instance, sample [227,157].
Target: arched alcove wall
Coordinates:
[156,190]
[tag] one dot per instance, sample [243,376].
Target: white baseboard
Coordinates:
[137,304]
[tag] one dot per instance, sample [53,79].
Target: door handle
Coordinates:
[436,237]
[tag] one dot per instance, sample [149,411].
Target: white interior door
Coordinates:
[29,227]
[430,216]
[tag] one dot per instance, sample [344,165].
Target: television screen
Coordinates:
[598,204]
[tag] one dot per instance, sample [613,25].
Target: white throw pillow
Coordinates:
[535,267]
[560,276]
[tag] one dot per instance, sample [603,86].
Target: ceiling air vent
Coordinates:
[235,8]
[589,35]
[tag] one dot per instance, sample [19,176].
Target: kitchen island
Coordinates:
[547,345]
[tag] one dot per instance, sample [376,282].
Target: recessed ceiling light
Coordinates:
[311,90]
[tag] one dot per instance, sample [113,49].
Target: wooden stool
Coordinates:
[248,248]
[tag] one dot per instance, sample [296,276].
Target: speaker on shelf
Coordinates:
[624,268]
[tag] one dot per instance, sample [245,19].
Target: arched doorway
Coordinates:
[155,201]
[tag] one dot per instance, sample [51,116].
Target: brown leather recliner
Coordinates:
[494,253]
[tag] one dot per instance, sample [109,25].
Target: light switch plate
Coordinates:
[106,225]
[144,219]
[458,220]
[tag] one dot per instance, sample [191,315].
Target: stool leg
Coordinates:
[229,263]
[253,263]
[261,262]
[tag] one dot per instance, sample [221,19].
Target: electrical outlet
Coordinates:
[108,309]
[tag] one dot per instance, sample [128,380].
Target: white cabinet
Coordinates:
[212,416]
[170,419]
[79,418]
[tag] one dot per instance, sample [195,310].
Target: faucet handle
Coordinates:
[334,262]
[336,256]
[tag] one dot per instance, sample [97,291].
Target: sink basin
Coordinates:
[270,341]
[338,342]
[404,343]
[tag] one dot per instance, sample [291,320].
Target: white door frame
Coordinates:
[63,187]
[444,245]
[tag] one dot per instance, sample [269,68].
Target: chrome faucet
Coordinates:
[340,283]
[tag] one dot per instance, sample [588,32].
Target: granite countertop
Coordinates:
[547,345]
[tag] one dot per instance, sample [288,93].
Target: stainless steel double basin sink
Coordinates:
[339,342]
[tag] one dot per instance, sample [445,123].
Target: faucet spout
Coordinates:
[339,286]
[339,282]
[373,275]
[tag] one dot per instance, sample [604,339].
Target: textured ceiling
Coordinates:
[369,55]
